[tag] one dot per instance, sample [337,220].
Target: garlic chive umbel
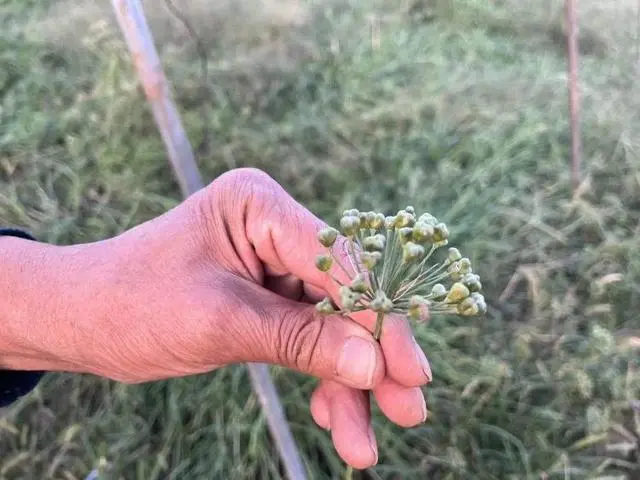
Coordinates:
[393,260]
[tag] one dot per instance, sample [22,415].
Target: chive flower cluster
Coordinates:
[393,268]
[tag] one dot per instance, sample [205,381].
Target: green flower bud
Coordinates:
[324,262]
[359,283]
[422,232]
[381,303]
[454,271]
[454,255]
[412,252]
[480,302]
[371,216]
[465,266]
[348,298]
[440,234]
[472,282]
[410,210]
[457,293]
[417,300]
[390,223]
[327,236]
[438,292]
[419,313]
[325,306]
[349,225]
[377,222]
[405,234]
[468,308]
[370,259]
[362,216]
[428,219]
[374,243]
[404,219]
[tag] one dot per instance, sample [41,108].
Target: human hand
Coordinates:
[227,277]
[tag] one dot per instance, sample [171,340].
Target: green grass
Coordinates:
[460,110]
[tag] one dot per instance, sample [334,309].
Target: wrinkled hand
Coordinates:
[228,276]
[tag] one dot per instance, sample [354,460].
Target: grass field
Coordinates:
[455,106]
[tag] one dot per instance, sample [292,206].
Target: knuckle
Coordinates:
[248,177]
[243,187]
[299,340]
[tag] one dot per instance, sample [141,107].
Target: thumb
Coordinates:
[292,334]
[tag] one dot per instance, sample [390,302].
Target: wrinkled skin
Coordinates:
[227,276]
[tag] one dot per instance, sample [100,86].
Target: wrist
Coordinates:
[38,328]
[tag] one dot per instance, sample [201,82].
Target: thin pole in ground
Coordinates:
[132,21]
[571,26]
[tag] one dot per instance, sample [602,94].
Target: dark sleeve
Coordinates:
[15,384]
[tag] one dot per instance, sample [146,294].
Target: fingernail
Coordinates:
[357,362]
[373,445]
[424,407]
[422,358]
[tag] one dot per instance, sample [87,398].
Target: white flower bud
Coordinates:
[349,225]
[381,303]
[405,234]
[362,216]
[440,234]
[465,266]
[454,255]
[438,292]
[422,232]
[390,223]
[428,219]
[370,259]
[418,309]
[377,222]
[325,306]
[359,283]
[454,271]
[374,243]
[348,298]
[404,219]
[472,281]
[412,252]
[480,302]
[468,308]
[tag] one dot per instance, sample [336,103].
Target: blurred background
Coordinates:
[458,107]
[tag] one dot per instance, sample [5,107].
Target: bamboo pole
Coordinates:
[571,25]
[132,21]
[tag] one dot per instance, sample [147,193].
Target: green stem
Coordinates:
[385,260]
[348,473]
[354,259]
[377,333]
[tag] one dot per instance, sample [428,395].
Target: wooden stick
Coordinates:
[140,42]
[571,24]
